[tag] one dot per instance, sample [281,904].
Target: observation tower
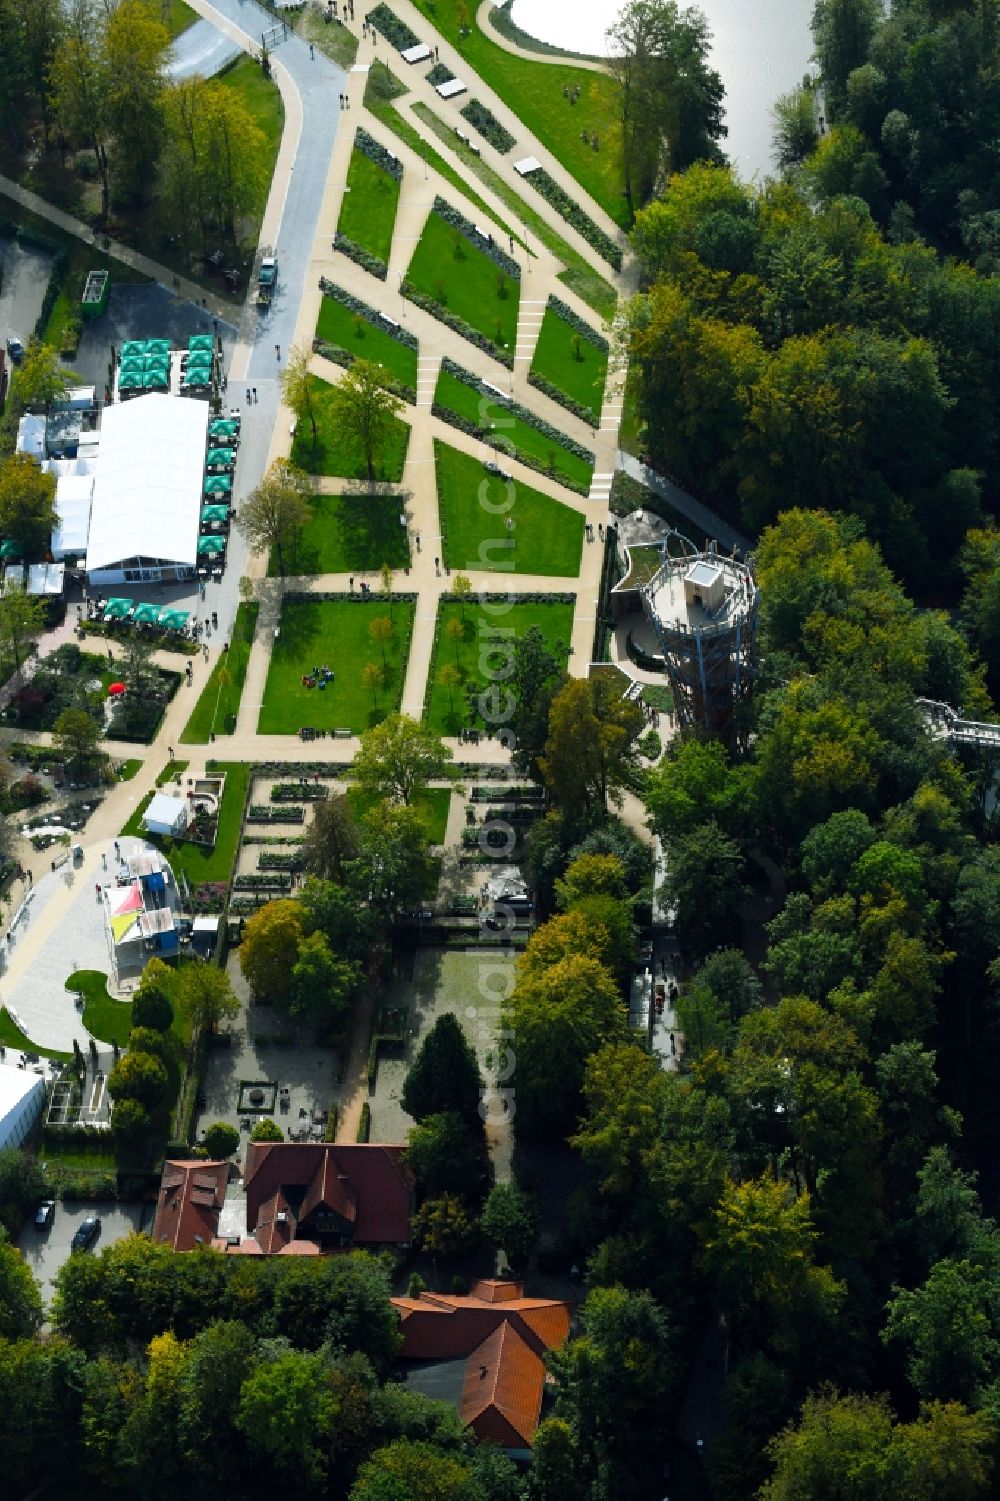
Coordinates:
[703,606]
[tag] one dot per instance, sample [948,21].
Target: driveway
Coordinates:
[202,50]
[24,276]
[46,1250]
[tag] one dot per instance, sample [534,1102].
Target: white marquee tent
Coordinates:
[74,494]
[22,1095]
[147,492]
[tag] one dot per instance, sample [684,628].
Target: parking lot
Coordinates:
[46,1250]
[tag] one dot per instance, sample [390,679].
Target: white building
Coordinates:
[144,520]
[22,1097]
[166,815]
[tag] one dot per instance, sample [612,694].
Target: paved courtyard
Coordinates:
[46,1250]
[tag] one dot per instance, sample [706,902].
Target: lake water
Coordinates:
[761,49]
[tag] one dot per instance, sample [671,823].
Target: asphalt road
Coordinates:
[46,1250]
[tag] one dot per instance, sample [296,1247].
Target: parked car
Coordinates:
[15,349]
[86,1233]
[45,1214]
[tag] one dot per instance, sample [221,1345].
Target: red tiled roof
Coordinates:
[444,1326]
[502,1393]
[275,1225]
[330,1190]
[188,1203]
[372,1175]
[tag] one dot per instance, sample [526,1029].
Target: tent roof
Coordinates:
[147,493]
[165,809]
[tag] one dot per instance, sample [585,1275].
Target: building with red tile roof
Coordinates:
[189,1202]
[485,1351]
[301,1195]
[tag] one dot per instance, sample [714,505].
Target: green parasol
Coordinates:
[218,484]
[196,380]
[132,381]
[11,550]
[146,614]
[211,547]
[158,346]
[198,342]
[133,347]
[223,427]
[117,609]
[156,380]
[214,512]
[133,364]
[220,457]
[174,620]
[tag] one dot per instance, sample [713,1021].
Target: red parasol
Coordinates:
[115,688]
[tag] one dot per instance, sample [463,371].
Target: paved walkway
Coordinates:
[708,523]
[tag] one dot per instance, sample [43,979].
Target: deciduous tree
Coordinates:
[272,516]
[398,756]
[270,946]
[27,503]
[365,411]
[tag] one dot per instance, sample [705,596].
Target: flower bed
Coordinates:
[363,257]
[377,153]
[440,73]
[264,813]
[488,125]
[574,214]
[298,792]
[388,24]
[276,881]
[280,862]
[209,897]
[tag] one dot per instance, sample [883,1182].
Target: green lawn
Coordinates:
[197,862]
[570,361]
[127,770]
[534,91]
[381,89]
[359,532]
[170,771]
[368,210]
[448,267]
[431,803]
[337,324]
[334,633]
[579,274]
[447,710]
[105,1018]
[631,430]
[175,15]
[519,438]
[219,700]
[333,452]
[337,42]
[547,535]
[263,101]
[11,1036]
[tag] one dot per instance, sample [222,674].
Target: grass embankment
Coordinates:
[339,324]
[219,701]
[335,633]
[334,451]
[263,101]
[449,269]
[368,210]
[570,361]
[519,436]
[579,274]
[450,706]
[546,537]
[350,533]
[540,94]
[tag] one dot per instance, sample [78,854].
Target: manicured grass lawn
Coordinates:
[534,91]
[350,532]
[368,210]
[105,1018]
[449,268]
[519,438]
[337,324]
[334,633]
[175,15]
[431,803]
[447,711]
[381,89]
[11,1036]
[631,429]
[128,769]
[170,771]
[579,274]
[219,700]
[547,535]
[570,361]
[263,101]
[334,452]
[197,862]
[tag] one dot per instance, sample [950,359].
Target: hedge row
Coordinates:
[298,792]
[488,125]
[264,813]
[465,426]
[574,214]
[388,24]
[555,393]
[347,299]
[458,325]
[363,257]
[489,246]
[269,861]
[440,73]
[276,880]
[377,153]
[577,324]
[346,357]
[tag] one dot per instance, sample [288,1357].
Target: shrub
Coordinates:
[574,214]
[267,1130]
[365,1123]
[363,257]
[488,125]
[388,24]
[377,153]
[221,1139]
[488,246]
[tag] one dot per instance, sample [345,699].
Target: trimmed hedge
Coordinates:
[365,1123]
[444,315]
[377,153]
[488,125]
[388,24]
[347,299]
[264,813]
[574,214]
[555,393]
[489,246]
[577,324]
[363,257]
[346,357]
[440,73]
